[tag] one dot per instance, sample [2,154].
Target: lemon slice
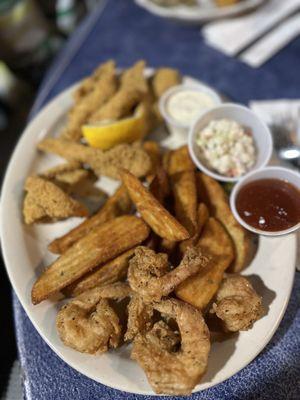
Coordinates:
[106,135]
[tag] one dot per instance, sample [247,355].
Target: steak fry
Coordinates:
[156,216]
[98,246]
[178,160]
[199,289]
[118,204]
[212,193]
[113,271]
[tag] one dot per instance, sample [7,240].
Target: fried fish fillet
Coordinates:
[199,289]
[104,88]
[100,245]
[132,157]
[133,89]
[164,79]
[237,304]
[214,196]
[46,201]
[68,174]
[110,272]
[156,216]
[116,205]
[88,83]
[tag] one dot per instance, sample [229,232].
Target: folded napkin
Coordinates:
[272,112]
[231,36]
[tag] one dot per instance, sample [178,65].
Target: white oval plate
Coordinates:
[199,14]
[25,254]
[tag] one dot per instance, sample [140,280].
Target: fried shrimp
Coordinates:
[170,371]
[139,317]
[88,323]
[150,276]
[237,304]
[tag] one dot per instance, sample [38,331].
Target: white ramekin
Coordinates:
[286,174]
[198,87]
[245,117]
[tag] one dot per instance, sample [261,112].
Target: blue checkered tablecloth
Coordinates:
[121,30]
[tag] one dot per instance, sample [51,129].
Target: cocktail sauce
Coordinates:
[269,204]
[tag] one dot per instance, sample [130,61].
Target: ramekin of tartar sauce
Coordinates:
[181,105]
[267,201]
[228,141]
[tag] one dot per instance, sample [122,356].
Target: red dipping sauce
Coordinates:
[269,204]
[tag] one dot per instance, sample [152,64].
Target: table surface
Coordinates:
[121,30]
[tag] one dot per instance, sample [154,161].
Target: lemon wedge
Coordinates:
[106,135]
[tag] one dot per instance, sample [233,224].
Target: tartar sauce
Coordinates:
[185,105]
[227,147]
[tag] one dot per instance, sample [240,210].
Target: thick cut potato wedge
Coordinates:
[118,204]
[152,211]
[100,245]
[178,160]
[214,196]
[185,195]
[199,289]
[153,150]
[112,271]
[159,186]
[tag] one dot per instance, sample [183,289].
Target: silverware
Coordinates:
[286,137]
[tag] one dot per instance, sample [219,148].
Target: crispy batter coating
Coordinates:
[164,79]
[132,91]
[88,323]
[67,174]
[214,196]
[149,273]
[104,87]
[116,205]
[139,317]
[237,304]
[174,372]
[46,201]
[132,157]
[100,245]
[112,271]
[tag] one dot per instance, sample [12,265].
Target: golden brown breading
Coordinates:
[104,88]
[132,157]
[164,79]
[134,78]
[169,371]
[237,304]
[44,200]
[68,174]
[139,317]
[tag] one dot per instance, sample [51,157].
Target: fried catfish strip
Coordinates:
[149,274]
[134,78]
[164,79]
[140,317]
[88,323]
[88,83]
[175,372]
[156,216]
[212,193]
[46,201]
[185,194]
[112,271]
[200,288]
[116,205]
[178,160]
[237,304]
[68,175]
[104,88]
[153,150]
[132,157]
[100,245]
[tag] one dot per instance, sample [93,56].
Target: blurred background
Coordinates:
[32,32]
